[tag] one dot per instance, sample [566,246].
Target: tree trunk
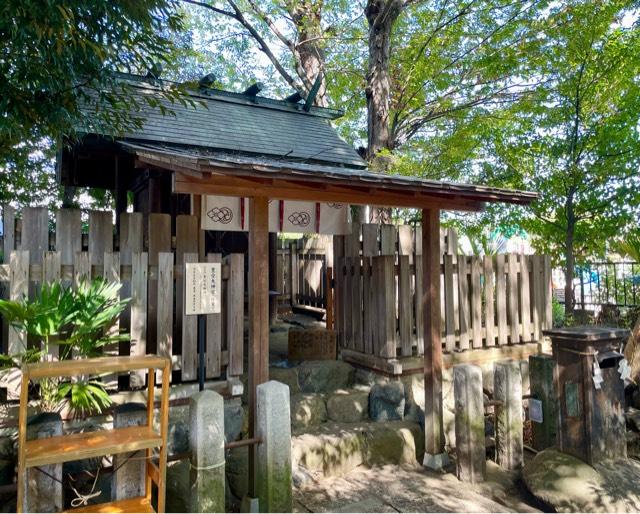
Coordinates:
[569,258]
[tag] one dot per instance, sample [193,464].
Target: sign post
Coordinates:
[202,297]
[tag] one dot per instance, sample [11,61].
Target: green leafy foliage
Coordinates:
[79,321]
[629,246]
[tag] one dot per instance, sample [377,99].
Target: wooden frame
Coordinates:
[65,448]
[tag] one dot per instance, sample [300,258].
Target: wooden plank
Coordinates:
[112,274]
[338,258]
[548,292]
[293,272]
[164,313]
[430,309]
[68,234]
[489,298]
[405,241]
[387,306]
[501,299]
[186,242]
[84,445]
[9,231]
[388,237]
[138,331]
[463,296]
[348,340]
[356,305]
[100,236]
[525,297]
[51,273]
[258,315]
[81,268]
[450,326]
[158,240]
[137,504]
[405,307]
[35,232]
[189,335]
[419,318]
[369,249]
[92,366]
[512,298]
[476,302]
[536,289]
[235,314]
[214,335]
[18,291]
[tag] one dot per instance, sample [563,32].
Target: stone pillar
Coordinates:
[129,479]
[507,388]
[273,463]
[206,441]
[43,493]
[541,369]
[469,422]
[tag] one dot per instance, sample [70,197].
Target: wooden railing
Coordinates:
[148,263]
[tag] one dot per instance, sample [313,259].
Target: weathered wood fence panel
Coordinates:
[150,271]
[487,300]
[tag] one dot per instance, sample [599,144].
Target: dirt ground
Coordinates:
[394,489]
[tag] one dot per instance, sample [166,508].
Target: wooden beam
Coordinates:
[258,314]
[285,189]
[430,306]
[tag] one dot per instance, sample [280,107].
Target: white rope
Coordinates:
[207,468]
[83,499]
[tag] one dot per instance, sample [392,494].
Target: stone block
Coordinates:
[288,376]
[469,423]
[508,390]
[541,368]
[43,493]
[237,471]
[233,419]
[348,406]
[325,376]
[128,481]
[307,410]
[273,456]
[386,401]
[206,440]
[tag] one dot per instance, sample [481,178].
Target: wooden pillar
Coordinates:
[258,315]
[435,456]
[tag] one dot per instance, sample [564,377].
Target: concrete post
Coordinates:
[469,423]
[508,389]
[543,389]
[206,440]
[129,479]
[273,463]
[43,493]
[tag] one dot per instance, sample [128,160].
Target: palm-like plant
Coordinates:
[487,244]
[79,322]
[629,246]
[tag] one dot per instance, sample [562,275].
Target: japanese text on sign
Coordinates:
[202,288]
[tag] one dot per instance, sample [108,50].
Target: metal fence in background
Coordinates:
[607,283]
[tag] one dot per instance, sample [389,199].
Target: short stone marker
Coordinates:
[273,463]
[128,481]
[508,390]
[44,489]
[206,440]
[469,423]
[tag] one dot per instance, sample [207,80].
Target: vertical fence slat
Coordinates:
[387,303]
[339,265]
[450,327]
[68,234]
[417,297]
[293,269]
[235,313]
[214,335]
[514,321]
[536,289]
[9,231]
[548,292]
[164,313]
[404,305]
[189,333]
[186,242]
[489,285]
[51,273]
[525,298]
[18,290]
[139,277]
[158,240]
[369,249]
[501,299]
[388,235]
[348,287]
[476,302]
[100,236]
[81,268]
[111,273]
[463,297]
[35,232]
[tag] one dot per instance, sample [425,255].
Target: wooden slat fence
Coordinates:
[151,272]
[486,300]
